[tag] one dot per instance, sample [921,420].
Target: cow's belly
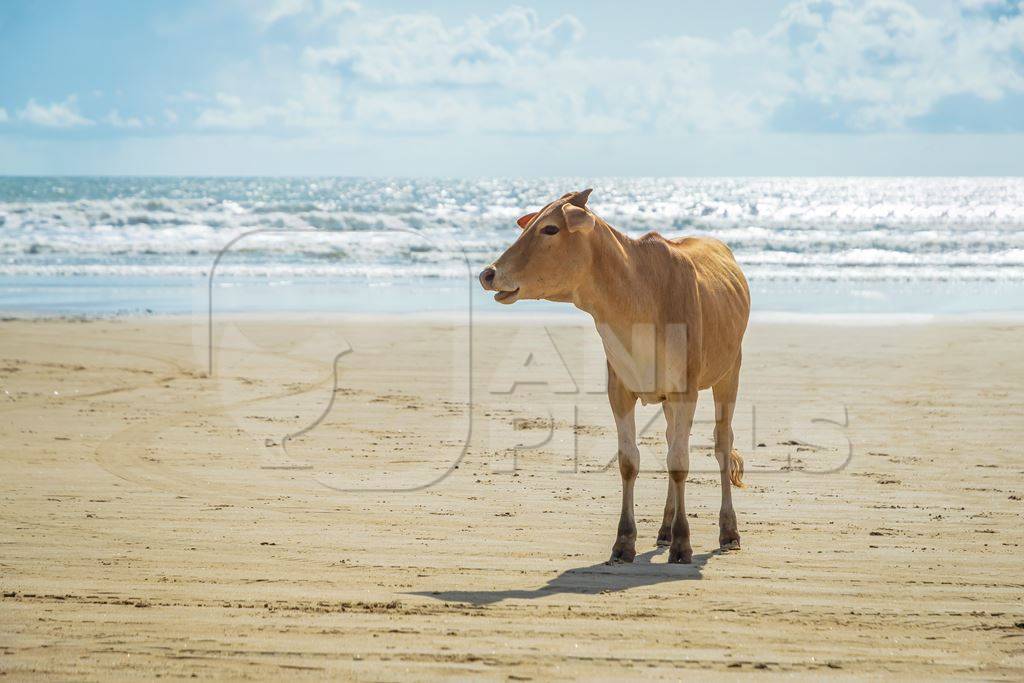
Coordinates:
[640,372]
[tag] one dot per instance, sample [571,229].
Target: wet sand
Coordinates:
[442,506]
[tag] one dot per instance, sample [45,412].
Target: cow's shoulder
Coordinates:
[702,247]
[673,258]
[674,251]
[665,266]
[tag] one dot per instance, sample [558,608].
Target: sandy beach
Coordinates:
[442,505]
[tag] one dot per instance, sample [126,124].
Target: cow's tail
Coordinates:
[736,468]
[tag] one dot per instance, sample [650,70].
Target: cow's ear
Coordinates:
[577,219]
[525,220]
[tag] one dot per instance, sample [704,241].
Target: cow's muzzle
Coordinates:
[487,277]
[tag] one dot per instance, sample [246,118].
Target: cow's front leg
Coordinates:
[623,403]
[679,411]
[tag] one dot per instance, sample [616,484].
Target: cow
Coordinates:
[671,314]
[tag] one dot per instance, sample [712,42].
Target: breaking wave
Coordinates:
[838,229]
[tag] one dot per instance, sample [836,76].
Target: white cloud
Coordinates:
[326,10]
[115,119]
[170,116]
[57,115]
[3,115]
[864,65]
[992,7]
[266,13]
[232,113]
[880,63]
[278,97]
[420,49]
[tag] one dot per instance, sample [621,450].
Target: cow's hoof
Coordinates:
[729,543]
[622,555]
[680,556]
[665,536]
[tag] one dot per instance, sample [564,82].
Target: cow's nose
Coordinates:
[487,277]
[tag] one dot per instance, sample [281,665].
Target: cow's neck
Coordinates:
[610,291]
[617,296]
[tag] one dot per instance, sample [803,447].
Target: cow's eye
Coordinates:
[550,230]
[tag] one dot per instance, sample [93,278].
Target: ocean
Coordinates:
[809,246]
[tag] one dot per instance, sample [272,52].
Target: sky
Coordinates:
[554,88]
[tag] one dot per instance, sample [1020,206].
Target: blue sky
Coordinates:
[805,87]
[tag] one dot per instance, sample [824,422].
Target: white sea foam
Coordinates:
[780,229]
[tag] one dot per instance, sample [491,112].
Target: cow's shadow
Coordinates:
[590,580]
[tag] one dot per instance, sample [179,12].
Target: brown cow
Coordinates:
[671,315]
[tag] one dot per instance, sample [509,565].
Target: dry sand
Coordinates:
[153,525]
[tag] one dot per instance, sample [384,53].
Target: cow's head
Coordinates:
[550,257]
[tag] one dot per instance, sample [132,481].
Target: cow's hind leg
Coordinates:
[679,415]
[665,532]
[730,464]
[623,403]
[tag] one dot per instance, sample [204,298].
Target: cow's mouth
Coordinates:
[507,297]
